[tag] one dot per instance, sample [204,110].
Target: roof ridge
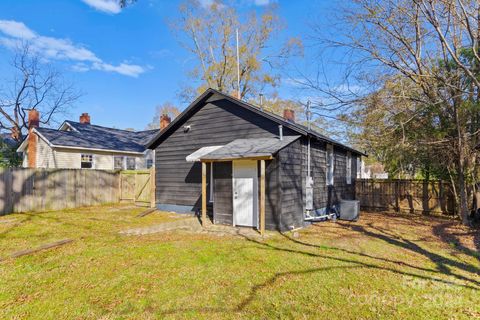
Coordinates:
[288,123]
[110,128]
[249,106]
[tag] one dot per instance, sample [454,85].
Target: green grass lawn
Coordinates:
[383,266]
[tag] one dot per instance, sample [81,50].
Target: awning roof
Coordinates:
[247,149]
[194,157]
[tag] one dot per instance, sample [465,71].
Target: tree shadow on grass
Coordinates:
[443,266]
[253,292]
[441,231]
[14,225]
[28,217]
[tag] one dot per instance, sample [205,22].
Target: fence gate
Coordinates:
[138,186]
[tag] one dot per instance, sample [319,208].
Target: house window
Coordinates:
[86,161]
[330,163]
[131,163]
[118,163]
[149,163]
[349,167]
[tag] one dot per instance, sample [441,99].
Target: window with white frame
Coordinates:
[131,163]
[149,163]
[118,163]
[349,167]
[86,161]
[330,164]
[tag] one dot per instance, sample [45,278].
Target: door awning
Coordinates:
[259,148]
[195,157]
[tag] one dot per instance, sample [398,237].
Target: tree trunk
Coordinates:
[462,168]
[476,200]
[463,198]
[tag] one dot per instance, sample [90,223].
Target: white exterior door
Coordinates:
[245,193]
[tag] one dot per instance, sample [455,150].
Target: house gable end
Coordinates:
[225,103]
[211,95]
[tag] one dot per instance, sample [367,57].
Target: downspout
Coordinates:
[308,140]
[309,209]
[308,178]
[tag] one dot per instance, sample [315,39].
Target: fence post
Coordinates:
[397,195]
[152,187]
[119,186]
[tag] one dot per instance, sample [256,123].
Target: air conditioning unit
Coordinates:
[349,210]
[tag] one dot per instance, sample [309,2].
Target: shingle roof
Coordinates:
[280,120]
[249,148]
[7,139]
[97,137]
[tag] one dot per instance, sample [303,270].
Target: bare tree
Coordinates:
[210,35]
[35,85]
[166,108]
[422,60]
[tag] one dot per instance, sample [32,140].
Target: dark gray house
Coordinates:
[247,167]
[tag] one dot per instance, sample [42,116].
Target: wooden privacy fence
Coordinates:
[23,190]
[414,196]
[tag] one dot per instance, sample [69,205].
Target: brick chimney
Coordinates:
[164,121]
[289,115]
[33,122]
[85,118]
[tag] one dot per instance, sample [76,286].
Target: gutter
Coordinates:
[254,109]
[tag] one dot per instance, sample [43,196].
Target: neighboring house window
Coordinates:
[349,167]
[149,163]
[131,163]
[118,163]
[86,161]
[330,163]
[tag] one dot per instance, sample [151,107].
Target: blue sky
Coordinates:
[125,62]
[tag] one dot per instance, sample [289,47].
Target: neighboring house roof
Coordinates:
[249,148]
[300,129]
[88,136]
[7,139]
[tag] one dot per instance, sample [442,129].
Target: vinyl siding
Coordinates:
[66,158]
[45,155]
[340,190]
[103,161]
[223,189]
[218,122]
[292,186]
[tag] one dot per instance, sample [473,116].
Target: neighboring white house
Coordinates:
[83,145]
[373,171]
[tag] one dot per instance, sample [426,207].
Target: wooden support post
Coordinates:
[204,193]
[262,197]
